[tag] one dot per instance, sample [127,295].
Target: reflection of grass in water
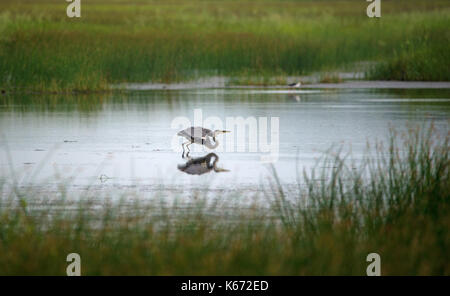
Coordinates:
[117,100]
[115,42]
[395,204]
[85,103]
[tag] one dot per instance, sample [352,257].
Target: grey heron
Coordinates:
[201,165]
[295,84]
[200,135]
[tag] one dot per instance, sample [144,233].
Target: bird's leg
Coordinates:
[187,147]
[182,155]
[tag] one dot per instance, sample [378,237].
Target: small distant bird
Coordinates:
[295,84]
[201,165]
[103,178]
[200,135]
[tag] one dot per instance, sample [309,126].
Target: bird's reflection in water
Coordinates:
[201,165]
[295,98]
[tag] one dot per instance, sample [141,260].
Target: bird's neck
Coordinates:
[211,145]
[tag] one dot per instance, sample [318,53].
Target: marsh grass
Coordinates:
[415,63]
[330,78]
[394,203]
[263,79]
[140,41]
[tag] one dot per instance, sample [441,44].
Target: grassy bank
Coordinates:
[118,41]
[396,203]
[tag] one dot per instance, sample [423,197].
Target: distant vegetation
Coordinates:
[395,203]
[134,41]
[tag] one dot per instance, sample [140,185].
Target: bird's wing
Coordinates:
[206,132]
[184,133]
[195,132]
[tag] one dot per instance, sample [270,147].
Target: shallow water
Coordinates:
[124,140]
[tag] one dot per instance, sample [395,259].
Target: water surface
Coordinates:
[123,140]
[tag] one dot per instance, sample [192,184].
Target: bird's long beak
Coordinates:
[226,132]
[219,170]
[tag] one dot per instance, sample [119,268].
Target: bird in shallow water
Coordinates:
[201,165]
[200,135]
[295,84]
